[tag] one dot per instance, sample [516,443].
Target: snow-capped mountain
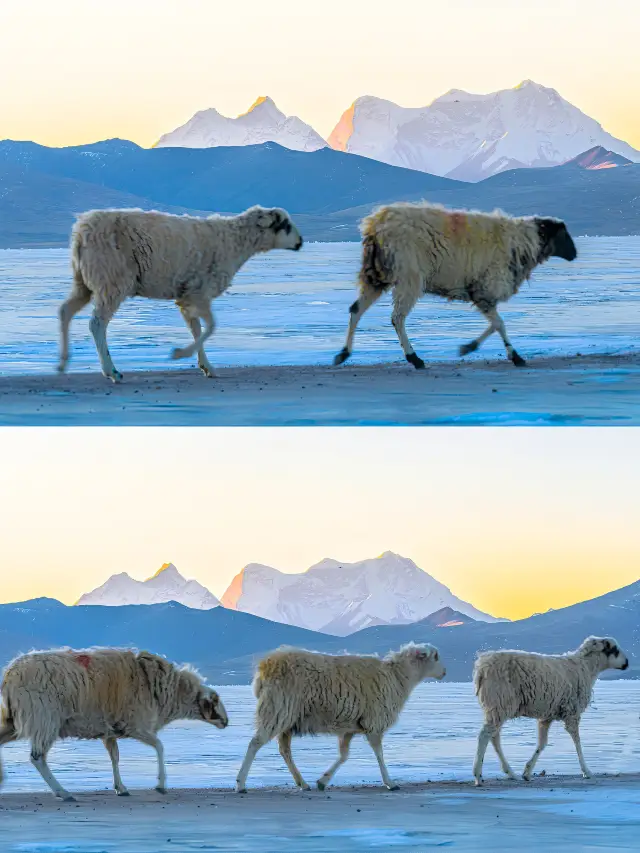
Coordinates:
[263,122]
[470,137]
[166,585]
[340,598]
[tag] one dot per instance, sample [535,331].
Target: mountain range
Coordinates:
[460,135]
[42,189]
[167,584]
[341,598]
[332,597]
[224,644]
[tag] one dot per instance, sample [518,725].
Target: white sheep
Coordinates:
[301,692]
[100,693]
[464,256]
[118,254]
[513,684]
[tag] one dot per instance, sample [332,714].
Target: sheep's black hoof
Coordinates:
[415,360]
[394,787]
[518,360]
[321,785]
[342,356]
[465,349]
[123,793]
[115,376]
[160,789]
[68,798]
[240,790]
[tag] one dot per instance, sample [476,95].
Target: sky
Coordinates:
[75,71]
[514,521]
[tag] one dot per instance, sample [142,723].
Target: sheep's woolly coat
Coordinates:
[544,687]
[97,693]
[467,256]
[309,693]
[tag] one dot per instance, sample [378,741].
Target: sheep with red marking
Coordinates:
[482,258]
[104,694]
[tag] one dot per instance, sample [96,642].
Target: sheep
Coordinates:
[512,684]
[100,693]
[301,692]
[117,254]
[462,255]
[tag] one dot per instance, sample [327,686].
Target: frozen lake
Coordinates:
[434,740]
[287,308]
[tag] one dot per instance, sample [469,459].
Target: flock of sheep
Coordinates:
[412,249]
[109,694]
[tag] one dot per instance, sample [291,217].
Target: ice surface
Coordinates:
[287,308]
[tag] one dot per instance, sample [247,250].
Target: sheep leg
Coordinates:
[79,297]
[284,743]
[7,734]
[255,744]
[496,324]
[487,732]
[204,312]
[154,742]
[344,743]
[543,737]
[194,325]
[39,761]
[403,303]
[573,727]
[98,327]
[368,295]
[375,741]
[111,745]
[506,769]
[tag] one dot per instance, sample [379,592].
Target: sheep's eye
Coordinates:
[435,657]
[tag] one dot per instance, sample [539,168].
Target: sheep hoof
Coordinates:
[321,785]
[393,787]
[526,777]
[305,787]
[587,775]
[62,367]
[240,789]
[208,372]
[518,360]
[465,349]
[479,782]
[342,356]
[123,793]
[178,353]
[415,360]
[67,798]
[160,789]
[115,376]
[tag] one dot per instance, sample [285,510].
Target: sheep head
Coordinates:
[555,240]
[210,708]
[605,651]
[276,228]
[422,658]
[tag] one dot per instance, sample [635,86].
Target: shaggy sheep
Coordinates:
[100,693]
[543,687]
[301,692]
[465,256]
[117,254]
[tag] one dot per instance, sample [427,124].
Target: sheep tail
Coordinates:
[257,685]
[375,269]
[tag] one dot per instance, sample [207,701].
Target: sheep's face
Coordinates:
[211,709]
[612,657]
[426,659]
[555,240]
[278,229]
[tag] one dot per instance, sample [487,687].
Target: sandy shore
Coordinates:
[590,390]
[562,813]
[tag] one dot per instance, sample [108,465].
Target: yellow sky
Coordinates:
[515,521]
[74,71]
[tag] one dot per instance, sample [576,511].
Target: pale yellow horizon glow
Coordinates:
[75,72]
[514,521]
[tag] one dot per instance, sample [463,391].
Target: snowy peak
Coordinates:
[167,584]
[262,122]
[341,598]
[470,137]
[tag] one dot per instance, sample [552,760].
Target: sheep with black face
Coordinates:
[465,256]
[512,684]
[119,254]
